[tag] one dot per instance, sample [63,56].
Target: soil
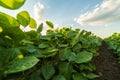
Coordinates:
[107,64]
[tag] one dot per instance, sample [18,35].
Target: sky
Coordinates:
[101,17]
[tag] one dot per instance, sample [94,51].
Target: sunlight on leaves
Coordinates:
[23,18]
[1,29]
[12,4]
[8,21]
[32,23]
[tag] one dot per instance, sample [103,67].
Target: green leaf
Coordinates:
[32,34]
[47,71]
[78,76]
[65,69]
[8,55]
[8,21]
[92,76]
[59,77]
[50,24]
[22,64]
[31,48]
[83,57]
[49,52]
[76,48]
[67,54]
[15,33]
[32,23]
[23,18]
[12,4]
[87,67]
[76,39]
[40,28]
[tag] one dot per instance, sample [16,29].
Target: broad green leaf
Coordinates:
[59,77]
[49,52]
[47,71]
[25,42]
[76,39]
[92,76]
[65,69]
[5,42]
[76,48]
[63,54]
[8,55]
[78,76]
[45,52]
[31,34]
[24,18]
[83,57]
[50,24]
[67,54]
[31,48]
[40,28]
[8,21]
[32,23]
[22,64]
[15,33]
[12,4]
[71,34]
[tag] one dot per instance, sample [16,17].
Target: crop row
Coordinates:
[61,54]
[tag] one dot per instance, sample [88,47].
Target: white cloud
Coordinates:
[107,12]
[39,16]
[38,12]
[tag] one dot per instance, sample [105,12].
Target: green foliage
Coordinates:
[61,54]
[47,71]
[12,4]
[83,57]
[7,20]
[59,77]
[21,64]
[33,23]
[58,57]
[78,76]
[113,43]
[40,28]
[50,24]
[23,18]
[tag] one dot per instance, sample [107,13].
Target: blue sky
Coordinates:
[102,17]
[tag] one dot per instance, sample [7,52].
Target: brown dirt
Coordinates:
[107,64]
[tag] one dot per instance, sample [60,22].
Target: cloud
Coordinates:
[39,16]
[105,13]
[39,11]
